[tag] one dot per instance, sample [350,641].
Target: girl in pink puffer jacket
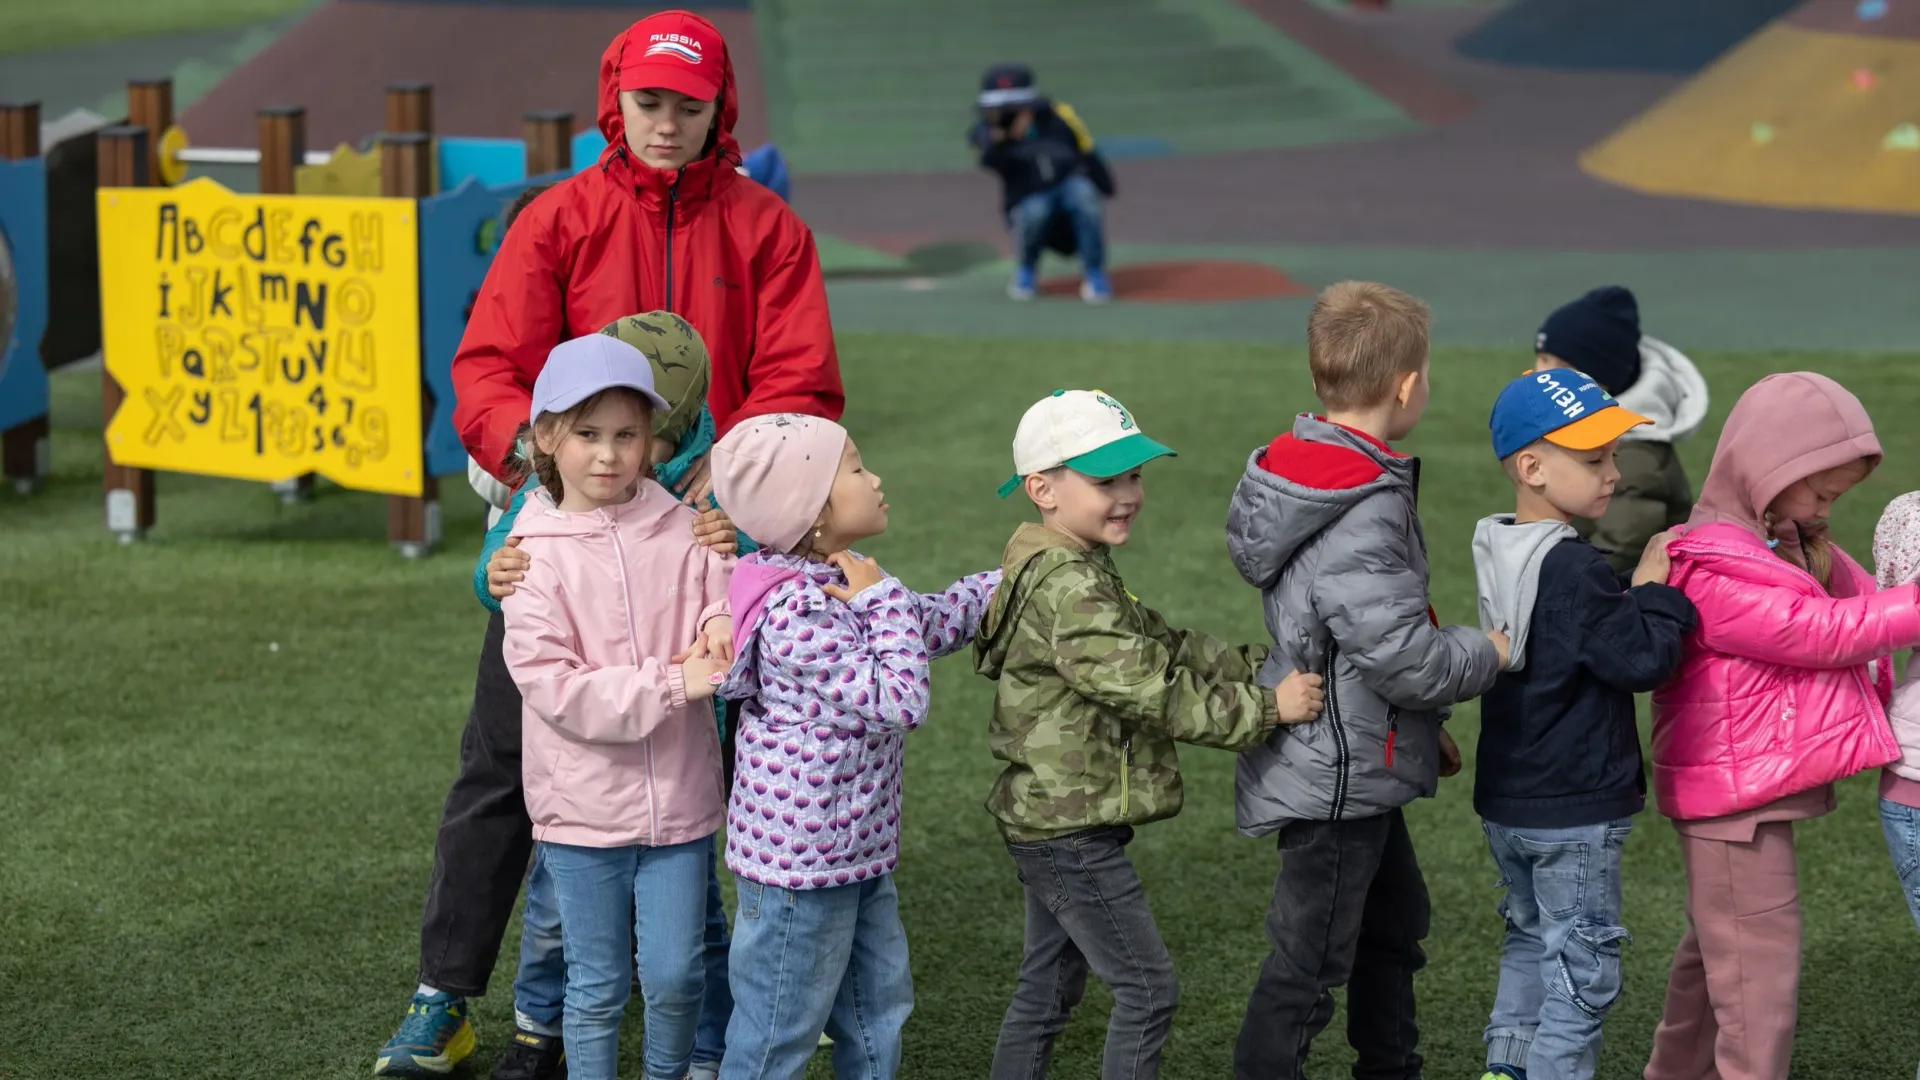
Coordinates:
[1781,690]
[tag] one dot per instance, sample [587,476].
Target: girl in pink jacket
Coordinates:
[1781,690]
[619,749]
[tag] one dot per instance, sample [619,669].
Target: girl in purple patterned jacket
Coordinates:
[832,666]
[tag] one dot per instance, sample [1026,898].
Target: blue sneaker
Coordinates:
[433,1038]
[1022,285]
[1095,288]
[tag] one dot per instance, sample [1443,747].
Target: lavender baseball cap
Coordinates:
[578,369]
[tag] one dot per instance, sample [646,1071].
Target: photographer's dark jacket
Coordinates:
[1057,146]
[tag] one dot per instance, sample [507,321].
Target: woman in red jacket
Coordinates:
[664,221]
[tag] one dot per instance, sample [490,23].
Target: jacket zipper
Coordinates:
[633,650]
[673,200]
[1342,758]
[1126,774]
[1393,728]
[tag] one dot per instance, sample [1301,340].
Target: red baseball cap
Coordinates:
[674,50]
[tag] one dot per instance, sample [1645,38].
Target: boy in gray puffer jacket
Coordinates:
[1323,523]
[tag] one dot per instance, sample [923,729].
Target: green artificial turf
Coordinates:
[27,27]
[225,749]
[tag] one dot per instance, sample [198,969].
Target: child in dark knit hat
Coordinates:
[1599,335]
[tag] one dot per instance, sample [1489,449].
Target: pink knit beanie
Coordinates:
[772,475]
[1896,542]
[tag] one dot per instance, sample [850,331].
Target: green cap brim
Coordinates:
[1110,460]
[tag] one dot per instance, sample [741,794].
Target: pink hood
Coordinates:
[613,753]
[1774,696]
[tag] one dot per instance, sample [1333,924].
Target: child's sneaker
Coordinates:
[1022,285]
[532,1056]
[1504,1072]
[704,1070]
[433,1038]
[1095,288]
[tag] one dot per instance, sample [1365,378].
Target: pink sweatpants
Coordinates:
[1733,994]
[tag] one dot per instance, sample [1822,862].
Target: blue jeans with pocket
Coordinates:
[609,898]
[812,960]
[1901,824]
[1079,200]
[539,988]
[1560,968]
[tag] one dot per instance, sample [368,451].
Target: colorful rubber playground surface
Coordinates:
[218,802]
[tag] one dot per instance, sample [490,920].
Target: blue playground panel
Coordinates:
[23,229]
[1618,35]
[459,232]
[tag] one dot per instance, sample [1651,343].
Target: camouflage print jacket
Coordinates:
[1094,690]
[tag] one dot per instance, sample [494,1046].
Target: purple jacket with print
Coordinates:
[830,690]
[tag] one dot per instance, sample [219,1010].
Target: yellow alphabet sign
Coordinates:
[263,336]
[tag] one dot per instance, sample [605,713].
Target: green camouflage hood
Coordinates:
[996,630]
[680,367]
[1093,690]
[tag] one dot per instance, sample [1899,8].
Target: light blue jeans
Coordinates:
[1560,964]
[539,989]
[814,960]
[608,898]
[1075,197]
[1901,824]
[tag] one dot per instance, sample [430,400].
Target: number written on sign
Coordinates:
[362,432]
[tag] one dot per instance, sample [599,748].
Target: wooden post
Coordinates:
[126,159]
[413,524]
[549,139]
[282,134]
[23,449]
[409,108]
[150,106]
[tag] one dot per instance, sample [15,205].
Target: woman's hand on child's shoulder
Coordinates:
[714,529]
[1300,697]
[862,574]
[507,566]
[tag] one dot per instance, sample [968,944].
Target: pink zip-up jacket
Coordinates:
[1773,696]
[612,752]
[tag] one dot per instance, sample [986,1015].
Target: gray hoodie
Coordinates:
[1670,392]
[1506,568]
[1323,523]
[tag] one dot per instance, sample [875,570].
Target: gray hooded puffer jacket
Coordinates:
[1343,575]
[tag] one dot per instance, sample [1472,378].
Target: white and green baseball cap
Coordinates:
[1085,430]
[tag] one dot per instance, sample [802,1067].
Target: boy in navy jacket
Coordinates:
[1558,773]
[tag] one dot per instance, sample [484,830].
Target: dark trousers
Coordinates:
[1349,907]
[1087,911]
[486,840]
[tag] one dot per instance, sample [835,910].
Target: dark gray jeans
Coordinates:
[1086,910]
[1349,907]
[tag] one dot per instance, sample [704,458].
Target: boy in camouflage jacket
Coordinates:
[1094,691]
